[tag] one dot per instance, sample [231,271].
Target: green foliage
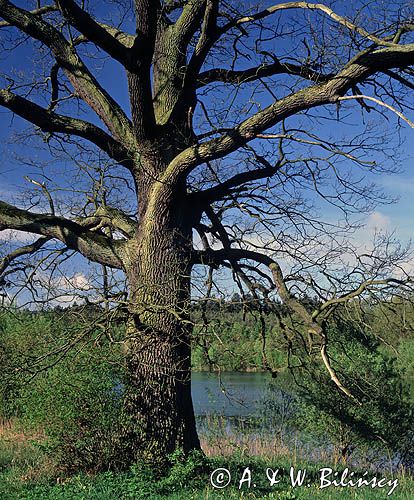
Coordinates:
[70,394]
[73,399]
[189,480]
[183,474]
[233,341]
[383,412]
[405,363]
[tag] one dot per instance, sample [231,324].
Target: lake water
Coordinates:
[242,400]
[233,394]
[240,404]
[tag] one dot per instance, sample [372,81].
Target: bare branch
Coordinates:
[257,72]
[97,33]
[399,78]
[45,191]
[189,19]
[225,188]
[36,12]
[327,306]
[171,95]
[95,246]
[333,374]
[209,34]
[236,254]
[381,103]
[139,80]
[309,6]
[48,121]
[82,80]
[357,70]
[19,252]
[112,217]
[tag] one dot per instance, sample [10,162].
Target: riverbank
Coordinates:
[244,418]
[231,435]
[254,468]
[26,474]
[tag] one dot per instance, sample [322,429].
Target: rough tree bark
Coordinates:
[158,412]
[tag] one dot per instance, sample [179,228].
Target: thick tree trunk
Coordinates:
[158,410]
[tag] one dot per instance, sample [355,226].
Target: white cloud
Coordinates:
[378,222]
[400,185]
[70,289]
[405,269]
[66,290]
[76,282]
[16,237]
[363,239]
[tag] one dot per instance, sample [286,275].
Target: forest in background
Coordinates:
[62,370]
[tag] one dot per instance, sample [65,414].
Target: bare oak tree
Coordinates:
[219,145]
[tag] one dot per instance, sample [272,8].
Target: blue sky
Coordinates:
[397,216]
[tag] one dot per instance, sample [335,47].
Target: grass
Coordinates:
[138,484]
[26,473]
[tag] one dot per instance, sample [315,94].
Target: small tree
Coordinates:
[382,420]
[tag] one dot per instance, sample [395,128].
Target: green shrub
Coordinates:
[70,394]
[382,414]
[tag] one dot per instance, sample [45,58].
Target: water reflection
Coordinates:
[244,411]
[231,395]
